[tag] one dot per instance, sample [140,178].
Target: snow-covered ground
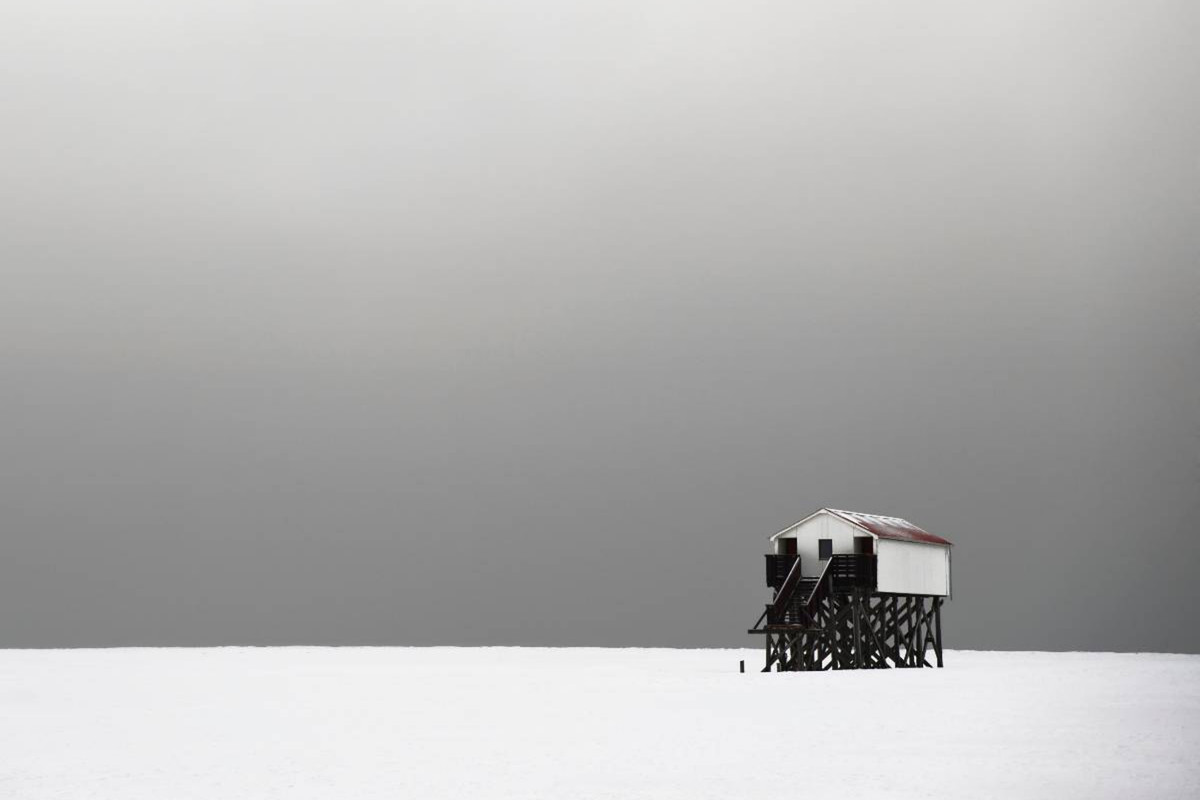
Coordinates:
[460,723]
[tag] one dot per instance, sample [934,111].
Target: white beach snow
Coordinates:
[589,723]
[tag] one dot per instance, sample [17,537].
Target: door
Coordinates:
[864,545]
[789,547]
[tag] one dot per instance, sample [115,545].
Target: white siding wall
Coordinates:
[912,568]
[807,533]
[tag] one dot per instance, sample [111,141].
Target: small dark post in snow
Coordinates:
[742,665]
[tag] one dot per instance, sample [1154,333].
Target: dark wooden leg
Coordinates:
[854,630]
[858,637]
[937,642]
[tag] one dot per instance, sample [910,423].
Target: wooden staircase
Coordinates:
[804,591]
[797,597]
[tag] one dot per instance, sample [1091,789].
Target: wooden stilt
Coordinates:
[937,641]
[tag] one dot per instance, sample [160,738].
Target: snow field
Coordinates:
[301,722]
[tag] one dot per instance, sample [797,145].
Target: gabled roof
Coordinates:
[889,527]
[883,527]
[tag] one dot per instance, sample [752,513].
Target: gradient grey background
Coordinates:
[529,322]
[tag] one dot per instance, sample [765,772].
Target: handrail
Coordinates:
[828,570]
[778,565]
[787,589]
[760,619]
[821,583]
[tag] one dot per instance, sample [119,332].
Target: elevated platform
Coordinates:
[839,621]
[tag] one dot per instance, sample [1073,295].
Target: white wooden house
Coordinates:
[908,560]
[854,591]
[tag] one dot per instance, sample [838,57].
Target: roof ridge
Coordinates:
[863,514]
[888,527]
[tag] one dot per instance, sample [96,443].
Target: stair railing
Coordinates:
[823,586]
[777,610]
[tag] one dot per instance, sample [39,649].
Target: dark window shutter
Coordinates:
[825,548]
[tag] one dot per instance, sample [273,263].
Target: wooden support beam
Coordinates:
[854,629]
[857,638]
[937,642]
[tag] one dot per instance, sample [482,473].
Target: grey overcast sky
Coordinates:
[529,322]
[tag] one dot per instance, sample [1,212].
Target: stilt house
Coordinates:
[854,591]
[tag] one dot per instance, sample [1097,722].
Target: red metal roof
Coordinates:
[889,527]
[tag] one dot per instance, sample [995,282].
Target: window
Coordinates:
[825,549]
